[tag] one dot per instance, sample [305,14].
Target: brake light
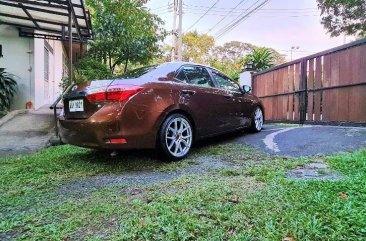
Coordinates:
[94,97]
[113,93]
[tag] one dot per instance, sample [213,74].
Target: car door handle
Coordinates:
[188,92]
[228,96]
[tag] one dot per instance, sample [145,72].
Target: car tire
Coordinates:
[257,120]
[175,137]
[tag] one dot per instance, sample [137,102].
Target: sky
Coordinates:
[280,24]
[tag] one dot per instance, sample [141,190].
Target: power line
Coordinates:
[238,20]
[241,19]
[246,9]
[264,9]
[245,13]
[298,51]
[199,19]
[222,19]
[169,5]
[264,16]
[261,10]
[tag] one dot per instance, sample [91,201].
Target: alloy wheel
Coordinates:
[258,119]
[178,137]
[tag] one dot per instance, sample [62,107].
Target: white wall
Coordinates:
[47,92]
[18,60]
[24,57]
[245,78]
[57,69]
[39,74]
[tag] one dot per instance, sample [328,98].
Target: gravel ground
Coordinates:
[203,165]
[297,141]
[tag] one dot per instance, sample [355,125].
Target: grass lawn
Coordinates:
[249,199]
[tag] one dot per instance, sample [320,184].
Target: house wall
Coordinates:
[48,91]
[58,68]
[39,73]
[18,60]
[25,58]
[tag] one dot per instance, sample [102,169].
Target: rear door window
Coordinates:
[195,75]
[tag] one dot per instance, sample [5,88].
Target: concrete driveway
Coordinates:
[304,140]
[24,132]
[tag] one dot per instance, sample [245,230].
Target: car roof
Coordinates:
[178,64]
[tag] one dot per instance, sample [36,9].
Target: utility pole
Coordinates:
[175,36]
[180,34]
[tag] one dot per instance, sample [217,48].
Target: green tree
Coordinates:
[229,68]
[196,47]
[261,58]
[278,58]
[232,51]
[125,32]
[7,89]
[88,68]
[344,16]
[229,57]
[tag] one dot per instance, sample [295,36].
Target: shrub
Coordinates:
[86,69]
[260,58]
[7,89]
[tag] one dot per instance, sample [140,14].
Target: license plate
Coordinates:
[76,105]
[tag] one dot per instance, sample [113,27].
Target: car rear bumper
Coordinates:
[89,134]
[98,135]
[134,123]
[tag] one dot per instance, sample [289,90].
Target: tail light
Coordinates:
[113,93]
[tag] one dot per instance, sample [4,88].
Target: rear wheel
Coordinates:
[257,120]
[176,137]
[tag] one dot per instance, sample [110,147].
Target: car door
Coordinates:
[198,93]
[235,105]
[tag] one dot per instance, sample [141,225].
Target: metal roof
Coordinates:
[48,19]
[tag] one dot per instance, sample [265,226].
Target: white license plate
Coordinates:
[76,105]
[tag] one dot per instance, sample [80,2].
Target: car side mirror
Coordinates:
[247,89]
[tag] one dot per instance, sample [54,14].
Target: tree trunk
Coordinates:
[126,63]
[105,57]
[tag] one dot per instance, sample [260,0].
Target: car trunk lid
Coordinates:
[84,99]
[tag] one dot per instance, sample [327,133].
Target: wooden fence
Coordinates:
[328,87]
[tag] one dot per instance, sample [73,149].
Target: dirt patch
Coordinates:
[314,171]
[9,236]
[202,165]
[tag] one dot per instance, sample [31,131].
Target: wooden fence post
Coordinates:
[303,91]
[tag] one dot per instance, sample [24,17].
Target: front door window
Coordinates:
[225,82]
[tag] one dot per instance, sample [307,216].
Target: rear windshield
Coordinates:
[136,73]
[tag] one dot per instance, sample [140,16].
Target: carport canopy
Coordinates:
[48,19]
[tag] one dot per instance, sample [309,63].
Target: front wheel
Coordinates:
[176,137]
[257,120]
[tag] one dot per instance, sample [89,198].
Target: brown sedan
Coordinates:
[166,106]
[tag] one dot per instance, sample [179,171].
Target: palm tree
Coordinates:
[7,89]
[260,58]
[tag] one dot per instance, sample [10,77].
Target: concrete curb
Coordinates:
[11,115]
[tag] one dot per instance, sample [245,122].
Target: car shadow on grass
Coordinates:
[142,167]
[148,159]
